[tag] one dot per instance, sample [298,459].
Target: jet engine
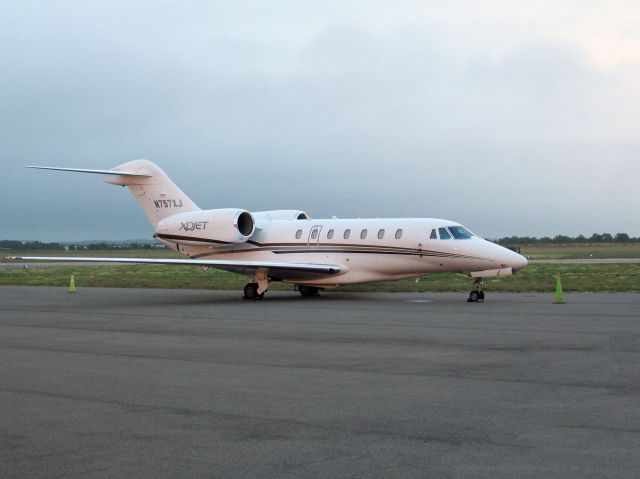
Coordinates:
[207,227]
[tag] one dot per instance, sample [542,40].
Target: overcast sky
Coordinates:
[512,117]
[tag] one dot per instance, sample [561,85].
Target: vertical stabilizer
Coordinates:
[158,196]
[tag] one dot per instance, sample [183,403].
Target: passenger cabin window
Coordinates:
[298,234]
[460,232]
[380,234]
[314,234]
[444,234]
[363,234]
[398,234]
[330,234]
[347,233]
[434,235]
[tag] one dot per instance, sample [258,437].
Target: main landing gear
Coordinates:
[257,289]
[307,291]
[477,295]
[251,291]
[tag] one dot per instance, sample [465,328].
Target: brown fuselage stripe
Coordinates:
[354,249]
[189,238]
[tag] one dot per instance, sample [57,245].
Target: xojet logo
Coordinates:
[193,225]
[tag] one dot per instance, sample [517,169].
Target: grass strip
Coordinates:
[540,278]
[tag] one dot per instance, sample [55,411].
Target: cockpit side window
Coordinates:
[444,234]
[434,235]
[460,232]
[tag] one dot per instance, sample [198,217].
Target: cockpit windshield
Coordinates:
[460,232]
[444,234]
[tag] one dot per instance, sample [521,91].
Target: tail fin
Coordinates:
[158,196]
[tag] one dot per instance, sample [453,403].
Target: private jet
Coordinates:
[291,247]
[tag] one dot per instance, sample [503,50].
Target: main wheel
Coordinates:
[251,291]
[473,297]
[481,296]
[308,290]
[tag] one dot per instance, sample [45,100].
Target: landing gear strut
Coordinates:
[257,289]
[477,295]
[308,290]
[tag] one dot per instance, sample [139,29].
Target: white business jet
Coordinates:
[289,246]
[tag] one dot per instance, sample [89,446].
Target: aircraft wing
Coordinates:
[291,271]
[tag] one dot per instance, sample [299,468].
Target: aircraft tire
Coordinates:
[251,291]
[308,291]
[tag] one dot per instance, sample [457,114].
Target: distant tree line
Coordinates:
[563,239]
[29,245]
[16,245]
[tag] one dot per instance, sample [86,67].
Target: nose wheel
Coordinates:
[477,295]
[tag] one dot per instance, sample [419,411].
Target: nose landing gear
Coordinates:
[477,295]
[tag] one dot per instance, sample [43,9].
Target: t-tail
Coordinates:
[158,196]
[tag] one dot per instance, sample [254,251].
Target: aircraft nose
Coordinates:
[516,261]
[510,259]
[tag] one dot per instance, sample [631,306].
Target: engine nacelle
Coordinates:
[207,227]
[281,215]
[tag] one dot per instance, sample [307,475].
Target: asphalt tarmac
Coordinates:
[111,383]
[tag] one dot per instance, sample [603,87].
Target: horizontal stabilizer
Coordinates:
[83,170]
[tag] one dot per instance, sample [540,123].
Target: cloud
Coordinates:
[398,112]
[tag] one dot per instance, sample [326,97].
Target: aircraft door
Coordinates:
[314,235]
